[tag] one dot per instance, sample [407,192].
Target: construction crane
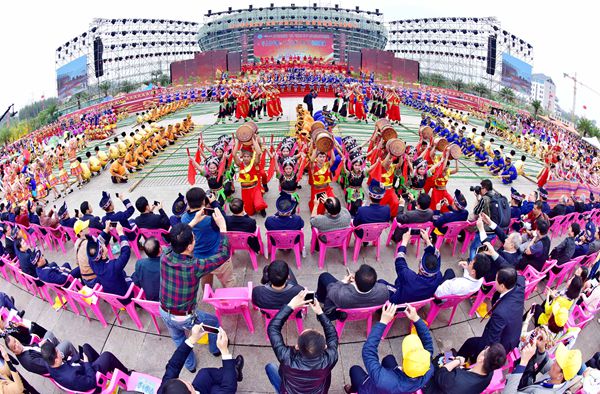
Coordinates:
[9,113]
[575,83]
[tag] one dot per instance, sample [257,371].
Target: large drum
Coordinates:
[387,131]
[426,133]
[455,151]
[322,139]
[441,144]
[245,132]
[317,125]
[396,147]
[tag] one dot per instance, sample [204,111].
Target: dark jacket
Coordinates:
[558,210]
[411,286]
[51,273]
[440,219]
[373,213]
[78,376]
[175,364]
[33,362]
[301,375]
[564,251]
[505,321]
[147,276]
[25,261]
[278,223]
[457,381]
[111,274]
[539,255]
[121,217]
[382,380]
[244,223]
[69,222]
[153,221]
[95,221]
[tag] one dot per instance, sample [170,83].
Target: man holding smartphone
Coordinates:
[148,219]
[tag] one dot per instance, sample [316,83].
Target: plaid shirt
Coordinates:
[180,276]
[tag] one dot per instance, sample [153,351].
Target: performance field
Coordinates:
[166,175]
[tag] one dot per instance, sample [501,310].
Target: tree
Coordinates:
[587,127]
[164,80]
[507,94]
[481,89]
[459,84]
[105,87]
[127,87]
[536,105]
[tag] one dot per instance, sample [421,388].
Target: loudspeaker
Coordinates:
[491,56]
[98,63]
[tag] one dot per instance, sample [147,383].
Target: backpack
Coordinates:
[500,210]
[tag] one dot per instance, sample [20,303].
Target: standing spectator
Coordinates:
[240,221]
[504,325]
[358,290]
[386,376]
[279,286]
[285,218]
[208,380]
[147,270]
[148,219]
[306,367]
[180,276]
[411,286]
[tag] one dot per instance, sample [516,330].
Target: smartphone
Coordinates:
[405,196]
[401,309]
[482,249]
[448,356]
[321,195]
[209,211]
[156,203]
[209,329]
[117,194]
[310,296]
[113,224]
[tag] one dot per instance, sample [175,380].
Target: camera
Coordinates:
[476,189]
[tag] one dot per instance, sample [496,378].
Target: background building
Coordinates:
[544,90]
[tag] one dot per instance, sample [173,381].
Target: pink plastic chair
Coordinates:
[511,359]
[356,314]
[238,240]
[371,232]
[481,296]
[136,382]
[532,280]
[578,318]
[566,270]
[417,305]
[285,240]
[230,301]
[35,288]
[101,382]
[330,239]
[269,314]
[449,302]
[7,269]
[82,301]
[152,307]
[70,232]
[14,269]
[414,238]
[30,234]
[497,384]
[115,302]
[41,238]
[60,292]
[452,233]
[133,243]
[159,234]
[55,237]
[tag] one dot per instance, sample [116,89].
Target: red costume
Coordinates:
[243,106]
[249,177]
[320,178]
[359,108]
[390,197]
[394,108]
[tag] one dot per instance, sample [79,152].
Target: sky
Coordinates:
[563,36]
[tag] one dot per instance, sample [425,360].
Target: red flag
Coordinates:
[191,170]
[197,158]
[221,168]
[338,170]
[271,171]
[585,107]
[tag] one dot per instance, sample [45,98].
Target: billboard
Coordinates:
[286,44]
[72,77]
[516,74]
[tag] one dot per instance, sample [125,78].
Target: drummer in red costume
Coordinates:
[441,175]
[320,178]
[249,176]
[388,168]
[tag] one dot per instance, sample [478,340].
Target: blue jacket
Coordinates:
[278,223]
[382,380]
[147,276]
[25,261]
[69,222]
[526,207]
[410,286]
[153,221]
[77,376]
[374,213]
[121,217]
[111,274]
[439,219]
[95,221]
[546,207]
[51,273]
[505,322]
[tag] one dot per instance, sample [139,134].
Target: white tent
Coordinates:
[593,141]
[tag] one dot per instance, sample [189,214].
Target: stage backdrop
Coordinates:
[72,77]
[205,66]
[278,45]
[516,74]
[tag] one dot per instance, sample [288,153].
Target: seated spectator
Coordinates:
[65,219]
[148,219]
[178,209]
[47,219]
[79,376]
[110,273]
[336,217]
[81,228]
[358,290]
[30,355]
[411,286]
[556,373]
[565,299]
[51,272]
[560,208]
[531,220]
[537,250]
[8,302]
[87,214]
[278,286]
[25,255]
[285,218]
[454,378]
[222,380]
[10,380]
[484,200]
[564,251]
[509,252]
[584,240]
[421,214]
[504,324]
[25,331]
[471,280]
[387,376]
[147,270]
[594,246]
[374,213]
[516,200]
[122,216]
[457,212]
[306,367]
[544,198]
[21,216]
[240,221]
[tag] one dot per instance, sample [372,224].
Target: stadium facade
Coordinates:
[455,47]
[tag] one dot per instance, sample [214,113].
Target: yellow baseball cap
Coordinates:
[568,360]
[561,315]
[80,225]
[416,361]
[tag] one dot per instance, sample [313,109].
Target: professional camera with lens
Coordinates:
[476,189]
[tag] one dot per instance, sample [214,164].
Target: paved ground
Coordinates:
[162,179]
